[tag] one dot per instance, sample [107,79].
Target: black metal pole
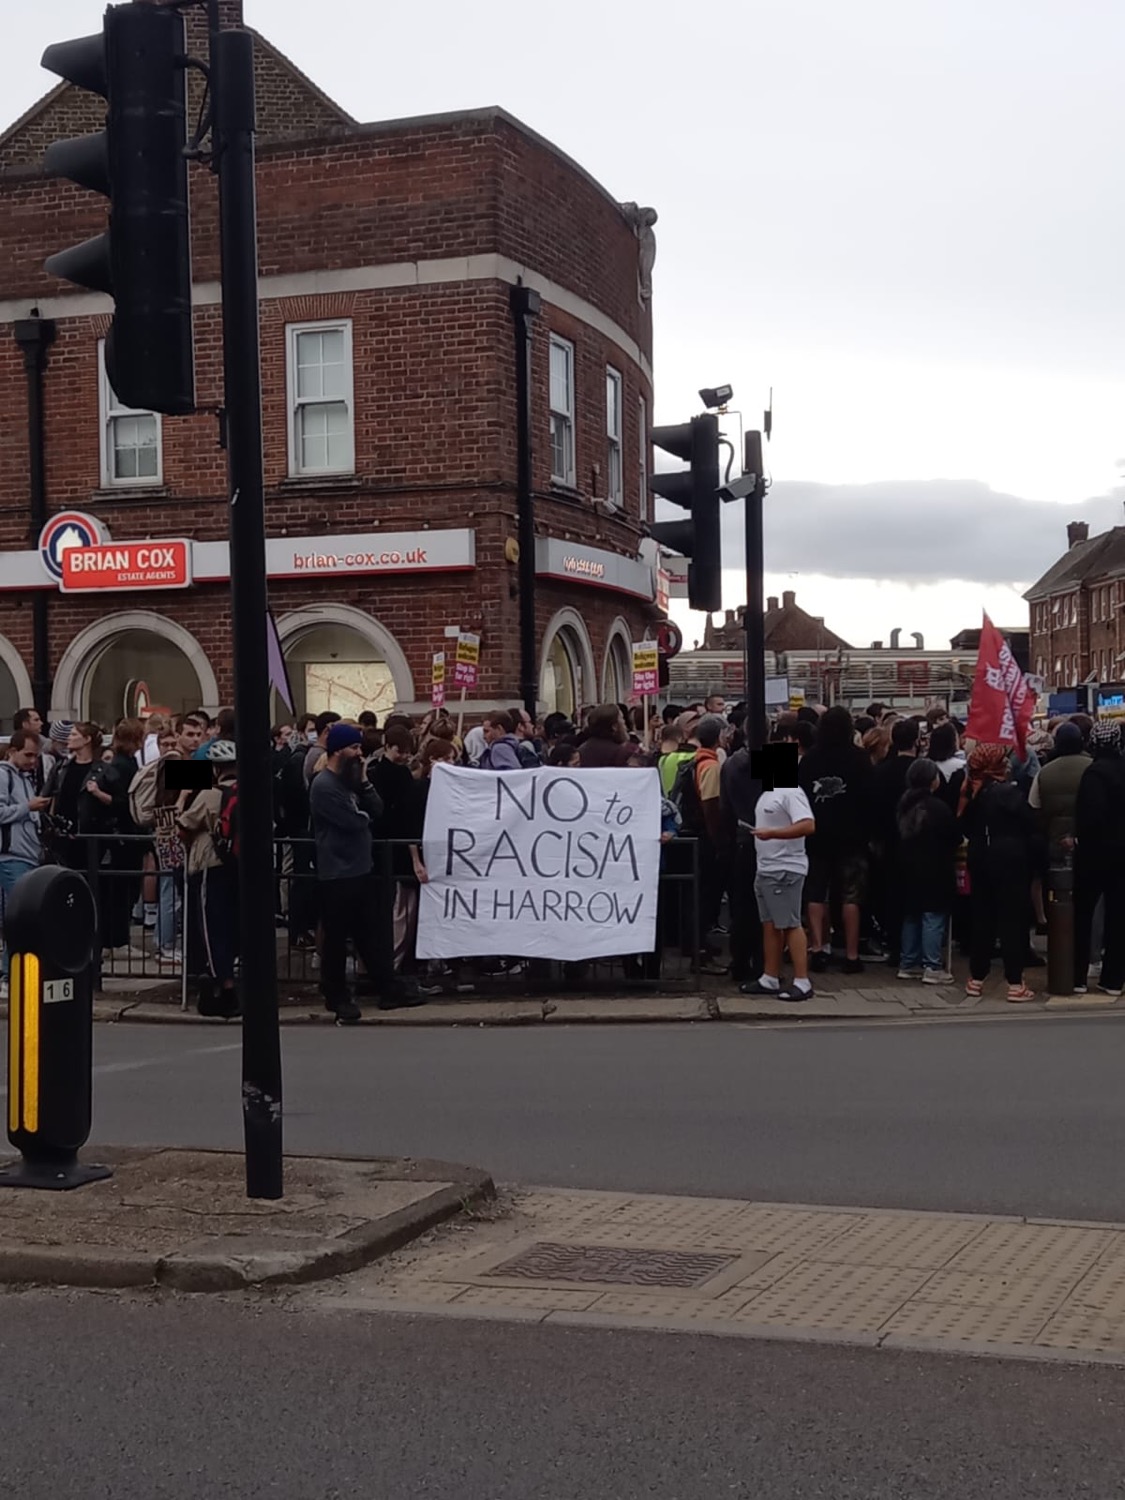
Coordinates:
[754,620]
[233,85]
[525,308]
[35,336]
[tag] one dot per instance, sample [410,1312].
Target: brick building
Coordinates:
[387,254]
[1076,607]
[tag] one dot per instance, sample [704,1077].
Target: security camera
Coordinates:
[716,396]
[739,489]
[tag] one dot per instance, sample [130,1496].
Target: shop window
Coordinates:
[614,485]
[130,440]
[321,399]
[562,412]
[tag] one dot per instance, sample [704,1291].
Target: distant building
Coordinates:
[1076,633]
[787,628]
[967,642]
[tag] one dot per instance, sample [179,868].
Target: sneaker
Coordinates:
[818,961]
[756,987]
[793,994]
[910,973]
[937,976]
[1109,989]
[853,965]
[150,916]
[219,1005]
[347,1013]
[1079,989]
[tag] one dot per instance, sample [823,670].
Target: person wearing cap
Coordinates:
[345,875]
[213,884]
[1099,865]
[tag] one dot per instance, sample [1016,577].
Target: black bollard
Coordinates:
[1060,926]
[50,928]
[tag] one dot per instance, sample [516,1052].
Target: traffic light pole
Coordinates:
[754,618]
[232,59]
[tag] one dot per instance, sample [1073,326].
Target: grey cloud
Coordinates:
[914,531]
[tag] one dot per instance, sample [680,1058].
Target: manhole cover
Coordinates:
[625,1267]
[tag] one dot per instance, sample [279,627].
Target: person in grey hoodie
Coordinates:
[20,806]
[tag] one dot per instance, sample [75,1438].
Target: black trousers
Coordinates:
[999,906]
[1092,880]
[746,955]
[118,886]
[350,909]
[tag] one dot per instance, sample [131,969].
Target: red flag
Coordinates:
[1002,703]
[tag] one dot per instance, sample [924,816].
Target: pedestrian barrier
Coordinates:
[175,949]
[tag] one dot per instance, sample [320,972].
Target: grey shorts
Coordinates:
[779,899]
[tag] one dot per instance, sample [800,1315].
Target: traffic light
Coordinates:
[137,63]
[697,490]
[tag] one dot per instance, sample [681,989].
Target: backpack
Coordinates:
[529,761]
[684,798]
[225,836]
[142,796]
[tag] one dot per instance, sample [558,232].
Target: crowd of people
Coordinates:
[895,840]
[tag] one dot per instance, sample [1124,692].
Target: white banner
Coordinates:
[540,863]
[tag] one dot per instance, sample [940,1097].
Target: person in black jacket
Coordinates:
[1099,862]
[888,784]
[1003,852]
[120,880]
[739,790]
[835,776]
[928,838]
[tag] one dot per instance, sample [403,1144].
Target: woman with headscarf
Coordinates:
[1002,838]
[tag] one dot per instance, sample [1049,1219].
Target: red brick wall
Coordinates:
[434,379]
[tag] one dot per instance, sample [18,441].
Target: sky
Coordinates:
[905,218]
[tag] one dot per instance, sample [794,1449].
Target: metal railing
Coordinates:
[166,941]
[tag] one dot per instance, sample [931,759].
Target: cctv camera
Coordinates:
[739,489]
[715,396]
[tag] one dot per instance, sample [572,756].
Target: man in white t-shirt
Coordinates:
[783,820]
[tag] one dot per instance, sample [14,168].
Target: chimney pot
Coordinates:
[876,645]
[771,603]
[1076,531]
[788,599]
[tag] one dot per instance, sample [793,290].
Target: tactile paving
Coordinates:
[1038,1250]
[850,1298]
[909,1242]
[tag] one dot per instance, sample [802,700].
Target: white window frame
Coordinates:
[293,332]
[614,441]
[110,409]
[562,415]
[642,466]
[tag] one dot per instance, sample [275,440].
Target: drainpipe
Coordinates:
[35,335]
[525,305]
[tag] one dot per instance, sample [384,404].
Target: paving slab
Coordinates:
[875,1277]
[182,1219]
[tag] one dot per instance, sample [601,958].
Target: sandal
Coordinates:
[1018,993]
[974,989]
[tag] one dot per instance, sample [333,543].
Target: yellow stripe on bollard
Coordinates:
[31,999]
[15,1044]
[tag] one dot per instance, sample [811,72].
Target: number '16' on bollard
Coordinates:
[50,928]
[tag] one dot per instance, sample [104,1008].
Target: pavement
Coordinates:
[875,995]
[181,1219]
[880,1279]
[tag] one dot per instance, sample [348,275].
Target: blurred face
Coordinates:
[716,704]
[393,753]
[493,732]
[24,760]
[525,728]
[438,760]
[191,736]
[33,722]
[76,741]
[169,743]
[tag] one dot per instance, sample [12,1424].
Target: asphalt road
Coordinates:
[1020,1116]
[105,1398]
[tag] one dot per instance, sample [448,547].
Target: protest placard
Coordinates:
[540,863]
[466,666]
[646,668]
[437,680]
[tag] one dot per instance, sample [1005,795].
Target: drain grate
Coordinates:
[614,1264]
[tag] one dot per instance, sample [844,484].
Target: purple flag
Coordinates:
[279,673]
